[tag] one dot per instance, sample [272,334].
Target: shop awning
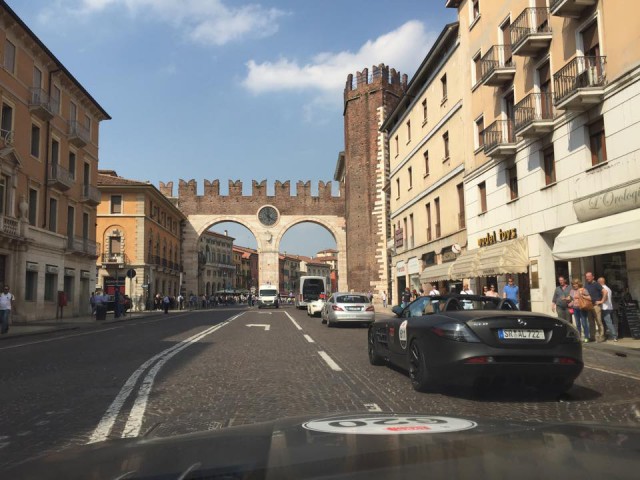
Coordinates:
[502,258]
[615,233]
[466,266]
[436,273]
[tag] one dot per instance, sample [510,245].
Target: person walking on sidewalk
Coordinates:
[384,299]
[166,301]
[607,309]
[6,304]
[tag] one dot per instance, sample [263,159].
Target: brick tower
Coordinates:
[367,102]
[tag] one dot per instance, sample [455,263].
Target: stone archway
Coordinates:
[203,211]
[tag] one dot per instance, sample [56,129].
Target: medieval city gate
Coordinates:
[267,217]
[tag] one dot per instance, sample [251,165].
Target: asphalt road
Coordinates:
[201,370]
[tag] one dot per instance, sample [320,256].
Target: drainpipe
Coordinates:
[46,158]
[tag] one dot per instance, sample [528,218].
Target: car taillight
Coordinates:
[564,361]
[455,331]
[370,309]
[479,360]
[336,308]
[573,336]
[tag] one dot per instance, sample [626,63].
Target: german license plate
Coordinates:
[519,334]
[354,309]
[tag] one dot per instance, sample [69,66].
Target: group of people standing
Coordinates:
[589,303]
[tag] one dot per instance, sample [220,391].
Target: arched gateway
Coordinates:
[267,217]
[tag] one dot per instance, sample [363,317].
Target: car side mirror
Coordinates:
[397,310]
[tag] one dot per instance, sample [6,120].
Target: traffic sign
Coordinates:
[131,273]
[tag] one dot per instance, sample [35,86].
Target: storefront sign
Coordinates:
[608,202]
[448,255]
[492,238]
[399,238]
[413,265]
[401,269]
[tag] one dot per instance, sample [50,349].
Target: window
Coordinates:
[479,135]
[115,245]
[476,72]
[31,286]
[549,165]
[410,178]
[426,162]
[411,242]
[597,142]
[68,287]
[406,231]
[408,131]
[72,165]
[37,77]
[590,40]
[55,99]
[443,81]
[6,122]
[397,146]
[87,124]
[445,142]
[85,225]
[33,206]
[71,220]
[512,178]
[9,56]
[398,186]
[482,192]
[475,9]
[50,286]
[73,111]
[4,195]
[53,214]
[436,204]
[35,141]
[428,222]
[116,203]
[424,110]
[461,219]
[55,152]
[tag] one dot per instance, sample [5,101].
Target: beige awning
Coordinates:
[505,257]
[436,273]
[615,233]
[466,266]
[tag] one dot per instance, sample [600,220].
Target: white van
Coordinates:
[268,296]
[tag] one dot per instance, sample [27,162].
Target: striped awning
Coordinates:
[502,258]
[466,266]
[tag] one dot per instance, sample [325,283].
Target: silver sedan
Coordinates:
[348,307]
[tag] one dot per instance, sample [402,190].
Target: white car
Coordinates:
[314,308]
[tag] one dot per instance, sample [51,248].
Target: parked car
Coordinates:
[477,341]
[314,308]
[348,307]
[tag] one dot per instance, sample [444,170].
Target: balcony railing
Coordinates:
[114,258]
[531,31]
[78,134]
[499,138]
[90,195]
[496,66]
[580,83]
[59,177]
[570,8]
[534,112]
[9,226]
[41,105]
[83,245]
[6,137]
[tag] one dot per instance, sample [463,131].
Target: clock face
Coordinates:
[268,215]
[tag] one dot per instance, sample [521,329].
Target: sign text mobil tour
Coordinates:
[502,236]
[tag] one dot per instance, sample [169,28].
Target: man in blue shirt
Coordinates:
[511,291]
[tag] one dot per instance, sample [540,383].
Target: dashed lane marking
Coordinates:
[333,365]
[293,320]
[309,339]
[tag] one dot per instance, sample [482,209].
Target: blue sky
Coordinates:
[225,89]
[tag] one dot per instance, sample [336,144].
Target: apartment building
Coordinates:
[426,168]
[217,268]
[140,231]
[290,271]
[246,260]
[49,133]
[551,95]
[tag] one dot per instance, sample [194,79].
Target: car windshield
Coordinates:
[352,299]
[268,293]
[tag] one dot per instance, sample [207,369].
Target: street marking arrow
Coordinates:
[264,325]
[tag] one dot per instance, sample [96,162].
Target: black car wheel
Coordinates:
[418,368]
[374,358]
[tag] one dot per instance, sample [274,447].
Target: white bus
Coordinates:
[310,289]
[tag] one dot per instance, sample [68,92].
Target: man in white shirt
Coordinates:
[466,304]
[607,309]
[6,304]
[432,293]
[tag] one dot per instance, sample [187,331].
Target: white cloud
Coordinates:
[208,22]
[402,49]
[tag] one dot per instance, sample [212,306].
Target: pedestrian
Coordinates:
[466,304]
[6,304]
[117,300]
[166,301]
[406,297]
[561,299]
[434,292]
[370,295]
[485,290]
[384,299]
[512,292]
[92,302]
[607,309]
[581,303]
[180,301]
[492,292]
[595,314]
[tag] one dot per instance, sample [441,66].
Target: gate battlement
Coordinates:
[380,74]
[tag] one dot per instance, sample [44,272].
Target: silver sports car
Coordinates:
[348,307]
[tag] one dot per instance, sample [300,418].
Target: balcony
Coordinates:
[534,115]
[83,246]
[570,8]
[6,138]
[40,104]
[579,85]
[497,67]
[9,226]
[499,139]
[59,177]
[531,32]
[115,260]
[90,195]
[78,134]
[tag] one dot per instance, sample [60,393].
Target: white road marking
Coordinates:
[266,327]
[333,365]
[372,407]
[309,339]
[613,372]
[293,320]
[103,429]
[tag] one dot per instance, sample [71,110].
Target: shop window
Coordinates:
[31,286]
[68,287]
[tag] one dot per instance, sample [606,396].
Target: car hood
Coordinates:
[361,445]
